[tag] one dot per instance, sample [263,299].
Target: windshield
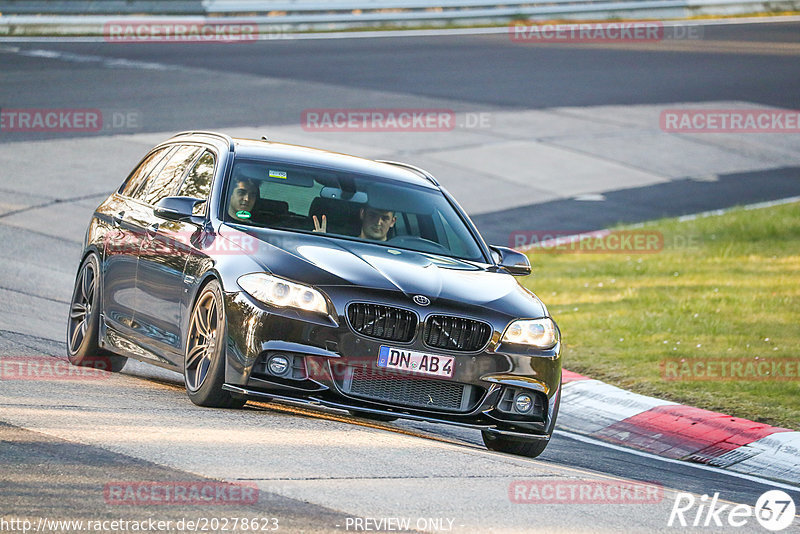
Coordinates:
[345,205]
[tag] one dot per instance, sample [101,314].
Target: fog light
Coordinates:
[278,365]
[523,403]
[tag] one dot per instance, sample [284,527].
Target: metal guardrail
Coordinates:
[351,8]
[316,12]
[101,7]
[83,16]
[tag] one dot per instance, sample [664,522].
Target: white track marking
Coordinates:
[750,478]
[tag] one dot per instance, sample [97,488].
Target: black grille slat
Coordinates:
[402,327]
[461,330]
[432,335]
[472,336]
[383,322]
[369,321]
[456,333]
[407,391]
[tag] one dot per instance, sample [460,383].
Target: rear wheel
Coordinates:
[204,362]
[519,446]
[83,325]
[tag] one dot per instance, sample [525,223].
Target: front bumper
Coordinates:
[334,357]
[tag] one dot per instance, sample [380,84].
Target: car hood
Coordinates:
[323,261]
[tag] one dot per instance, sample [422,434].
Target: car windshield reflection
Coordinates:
[346,205]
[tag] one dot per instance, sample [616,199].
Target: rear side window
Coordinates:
[165,182]
[198,182]
[138,176]
[141,190]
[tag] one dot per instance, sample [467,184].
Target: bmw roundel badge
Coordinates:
[422,300]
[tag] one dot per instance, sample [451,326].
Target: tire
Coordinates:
[83,324]
[373,416]
[204,359]
[521,447]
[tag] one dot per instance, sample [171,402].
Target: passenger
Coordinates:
[375,223]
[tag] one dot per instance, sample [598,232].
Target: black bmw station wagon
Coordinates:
[263,270]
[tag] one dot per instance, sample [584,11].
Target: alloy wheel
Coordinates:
[203,329]
[80,313]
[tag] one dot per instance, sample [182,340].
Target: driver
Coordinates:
[243,199]
[375,223]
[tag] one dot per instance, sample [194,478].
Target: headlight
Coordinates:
[539,333]
[282,293]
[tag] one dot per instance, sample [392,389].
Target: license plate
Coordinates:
[416,362]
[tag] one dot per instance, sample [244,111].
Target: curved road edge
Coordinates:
[607,413]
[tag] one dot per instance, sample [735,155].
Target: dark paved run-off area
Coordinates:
[58,480]
[639,204]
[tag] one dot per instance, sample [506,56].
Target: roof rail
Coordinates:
[428,176]
[225,137]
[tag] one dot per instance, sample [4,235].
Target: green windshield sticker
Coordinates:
[242,214]
[277,174]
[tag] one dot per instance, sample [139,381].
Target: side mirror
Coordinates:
[516,263]
[177,208]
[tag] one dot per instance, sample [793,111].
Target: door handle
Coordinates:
[152,230]
[116,219]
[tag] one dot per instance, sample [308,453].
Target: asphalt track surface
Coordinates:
[61,442]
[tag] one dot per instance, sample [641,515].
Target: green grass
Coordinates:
[725,287]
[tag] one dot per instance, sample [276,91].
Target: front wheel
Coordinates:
[519,446]
[204,362]
[84,322]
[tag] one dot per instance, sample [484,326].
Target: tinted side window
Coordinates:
[198,182]
[140,190]
[138,176]
[168,179]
